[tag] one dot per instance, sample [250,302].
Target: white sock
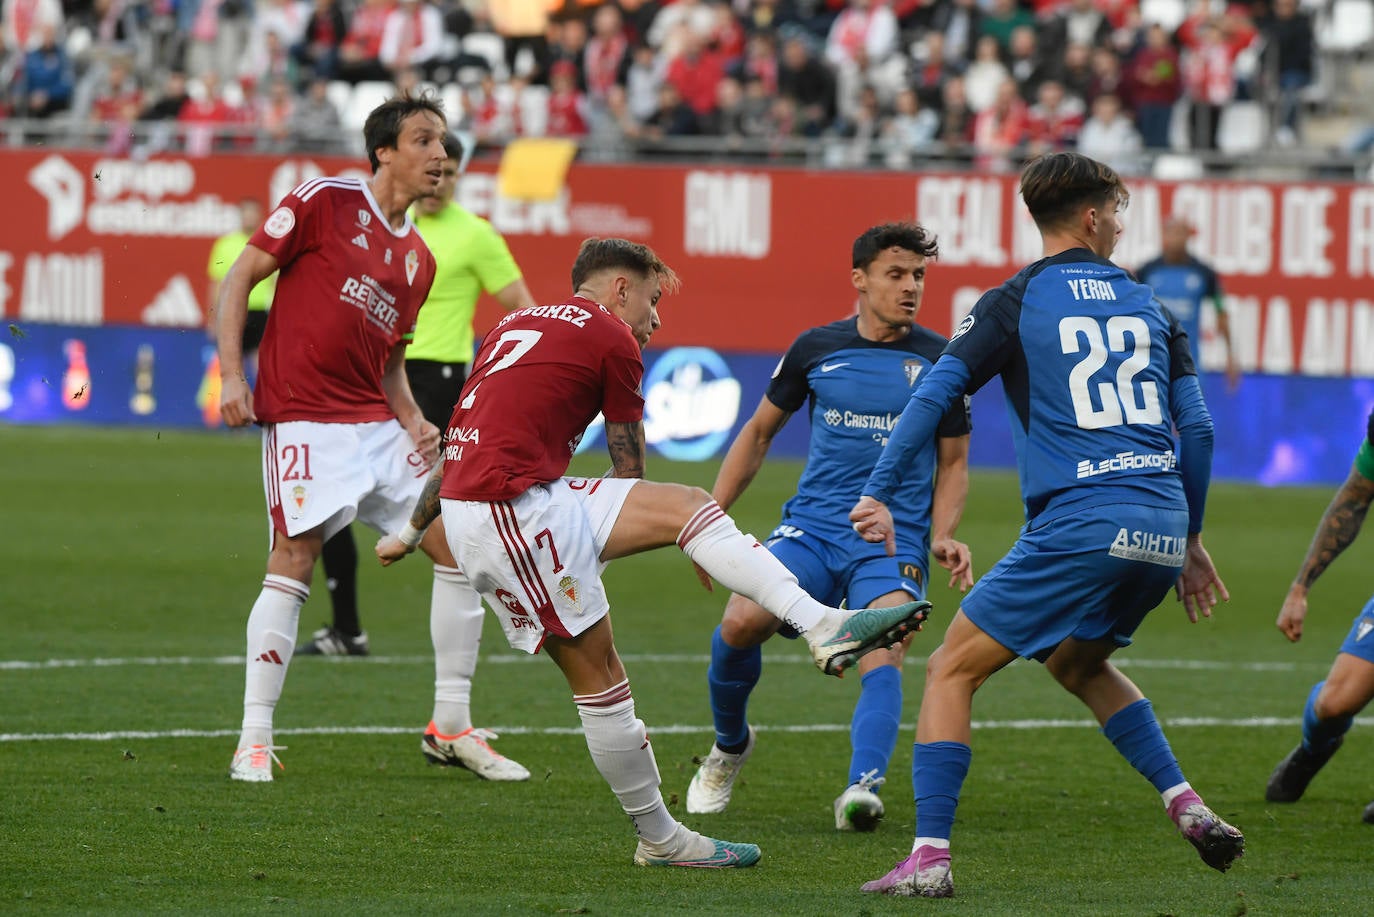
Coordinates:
[455,626]
[621,751]
[939,843]
[272,629]
[1174,792]
[742,565]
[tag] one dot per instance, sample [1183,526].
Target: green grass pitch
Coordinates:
[131,559]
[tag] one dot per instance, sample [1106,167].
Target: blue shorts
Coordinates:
[1092,575]
[845,568]
[1360,641]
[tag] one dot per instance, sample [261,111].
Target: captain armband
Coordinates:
[1364,460]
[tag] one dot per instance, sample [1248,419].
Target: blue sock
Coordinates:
[1319,735]
[1136,733]
[877,719]
[938,770]
[732,676]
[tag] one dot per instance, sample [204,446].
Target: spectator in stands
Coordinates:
[726,119]
[1288,53]
[1025,64]
[568,42]
[218,34]
[491,110]
[613,129]
[1209,81]
[1075,71]
[999,131]
[696,15]
[960,24]
[607,54]
[727,35]
[757,103]
[643,77]
[674,117]
[110,89]
[275,113]
[956,118]
[696,72]
[317,52]
[1053,122]
[1078,22]
[911,129]
[1107,75]
[862,127]
[48,79]
[207,118]
[284,18]
[933,70]
[769,16]
[567,104]
[1109,136]
[413,36]
[1002,18]
[1154,82]
[360,53]
[317,120]
[523,26]
[810,85]
[760,61]
[266,60]
[782,125]
[170,99]
[24,23]
[865,31]
[985,76]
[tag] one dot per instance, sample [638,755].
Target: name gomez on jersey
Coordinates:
[349,290]
[539,378]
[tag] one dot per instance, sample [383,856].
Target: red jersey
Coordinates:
[349,290]
[540,376]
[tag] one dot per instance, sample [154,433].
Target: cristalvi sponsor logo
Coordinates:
[691,401]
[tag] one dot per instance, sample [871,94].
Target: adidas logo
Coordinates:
[1363,630]
[271,656]
[360,240]
[176,304]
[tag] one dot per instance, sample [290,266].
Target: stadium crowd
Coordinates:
[998,79]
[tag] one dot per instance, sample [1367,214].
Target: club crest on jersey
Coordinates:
[386,256]
[364,218]
[297,502]
[412,265]
[912,368]
[568,588]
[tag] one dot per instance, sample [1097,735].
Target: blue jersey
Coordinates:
[1087,358]
[857,389]
[1184,289]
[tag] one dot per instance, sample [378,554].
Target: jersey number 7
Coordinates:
[523,340]
[1124,401]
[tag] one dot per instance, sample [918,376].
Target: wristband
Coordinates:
[1364,461]
[410,536]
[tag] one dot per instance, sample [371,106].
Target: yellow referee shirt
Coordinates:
[222,255]
[471,257]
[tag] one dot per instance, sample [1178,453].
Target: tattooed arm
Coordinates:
[1337,530]
[391,548]
[625,442]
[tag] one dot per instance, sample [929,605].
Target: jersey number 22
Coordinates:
[1122,401]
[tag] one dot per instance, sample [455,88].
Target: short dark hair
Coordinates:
[453,147]
[383,125]
[1056,186]
[597,255]
[912,237]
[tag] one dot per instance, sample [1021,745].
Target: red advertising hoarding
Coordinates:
[763,253]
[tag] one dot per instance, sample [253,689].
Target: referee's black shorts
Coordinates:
[436,387]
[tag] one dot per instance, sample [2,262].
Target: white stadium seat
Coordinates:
[366,96]
[340,93]
[1177,167]
[534,111]
[1348,29]
[1168,13]
[1244,128]
[491,48]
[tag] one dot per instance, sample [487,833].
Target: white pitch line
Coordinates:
[21,665]
[1253,722]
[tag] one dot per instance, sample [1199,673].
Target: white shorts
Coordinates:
[328,474]
[536,558]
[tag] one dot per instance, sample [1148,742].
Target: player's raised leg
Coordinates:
[657,514]
[1129,722]
[620,748]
